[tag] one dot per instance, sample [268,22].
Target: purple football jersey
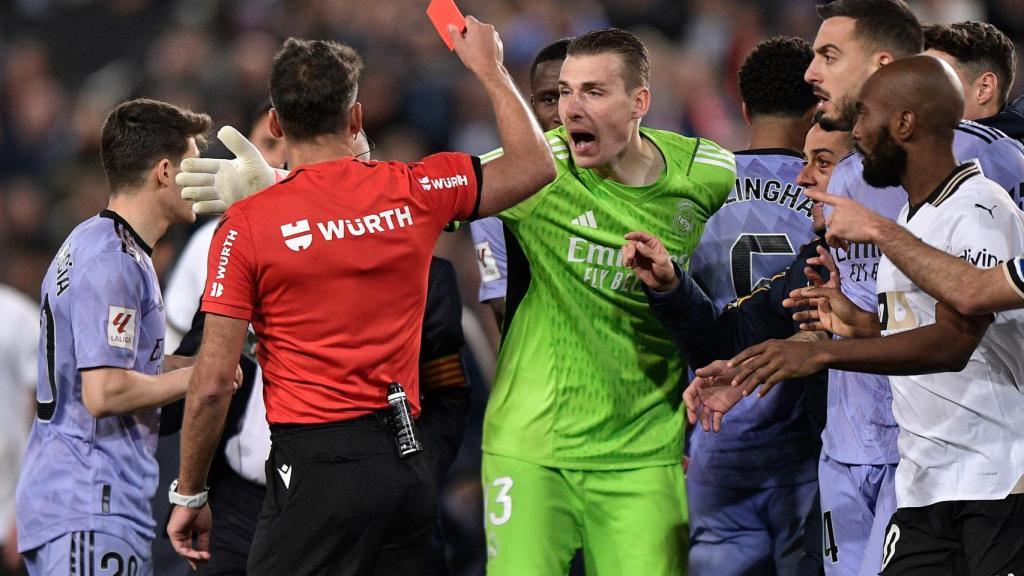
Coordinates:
[762,225]
[489,241]
[101,307]
[755,235]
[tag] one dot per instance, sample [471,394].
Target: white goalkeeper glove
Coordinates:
[214,184]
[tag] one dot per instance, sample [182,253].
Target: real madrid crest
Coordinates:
[686,216]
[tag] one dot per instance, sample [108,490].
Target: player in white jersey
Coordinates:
[19,338]
[951,280]
[958,400]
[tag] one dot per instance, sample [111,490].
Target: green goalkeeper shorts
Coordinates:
[626,521]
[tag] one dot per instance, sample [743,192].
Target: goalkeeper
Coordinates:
[583,431]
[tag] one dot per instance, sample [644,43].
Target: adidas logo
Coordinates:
[586,220]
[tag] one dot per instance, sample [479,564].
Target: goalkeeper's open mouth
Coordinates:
[583,142]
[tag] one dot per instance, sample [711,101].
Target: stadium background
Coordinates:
[65,63]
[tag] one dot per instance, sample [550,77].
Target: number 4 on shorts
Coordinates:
[829,534]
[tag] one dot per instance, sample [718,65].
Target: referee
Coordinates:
[335,292]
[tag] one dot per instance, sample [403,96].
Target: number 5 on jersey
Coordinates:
[499,509]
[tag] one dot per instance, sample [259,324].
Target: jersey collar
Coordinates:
[948,186]
[107,213]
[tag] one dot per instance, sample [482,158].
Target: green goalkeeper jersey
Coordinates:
[587,378]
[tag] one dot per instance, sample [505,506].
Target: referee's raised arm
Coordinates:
[527,165]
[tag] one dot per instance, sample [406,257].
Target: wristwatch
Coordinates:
[193,501]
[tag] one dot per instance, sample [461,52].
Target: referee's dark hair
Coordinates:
[772,78]
[979,47]
[139,133]
[313,85]
[636,62]
[882,25]
[555,51]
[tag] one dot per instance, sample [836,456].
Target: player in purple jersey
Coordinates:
[83,499]
[985,62]
[768,454]
[489,233]
[859,456]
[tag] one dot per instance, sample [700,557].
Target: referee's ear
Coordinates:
[275,124]
[355,119]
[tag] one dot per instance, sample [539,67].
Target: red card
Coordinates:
[445,12]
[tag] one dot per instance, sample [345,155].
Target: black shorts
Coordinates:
[341,502]
[968,538]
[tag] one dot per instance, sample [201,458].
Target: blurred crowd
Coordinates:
[64,63]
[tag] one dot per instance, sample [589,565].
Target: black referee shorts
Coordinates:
[341,502]
[968,538]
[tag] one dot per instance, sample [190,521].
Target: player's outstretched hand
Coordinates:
[826,307]
[849,220]
[187,524]
[648,258]
[479,47]
[832,312]
[768,363]
[214,184]
[824,259]
[710,396]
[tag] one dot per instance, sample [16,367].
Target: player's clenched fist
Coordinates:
[479,47]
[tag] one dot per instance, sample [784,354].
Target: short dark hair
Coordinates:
[139,133]
[636,62]
[256,113]
[772,78]
[979,47]
[313,85]
[555,51]
[883,25]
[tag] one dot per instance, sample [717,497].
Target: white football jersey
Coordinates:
[961,434]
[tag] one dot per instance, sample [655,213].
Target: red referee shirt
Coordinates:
[330,266]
